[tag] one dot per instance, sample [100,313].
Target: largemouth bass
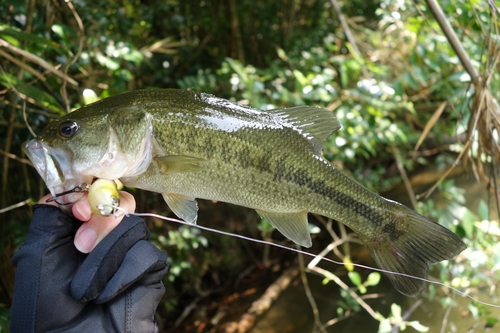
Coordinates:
[189,145]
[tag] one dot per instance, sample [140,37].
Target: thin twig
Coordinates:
[345,26]
[15,157]
[445,319]
[344,286]
[25,117]
[402,171]
[329,248]
[495,181]
[349,35]
[455,163]
[39,61]
[430,124]
[81,34]
[453,40]
[19,63]
[81,31]
[309,295]
[14,206]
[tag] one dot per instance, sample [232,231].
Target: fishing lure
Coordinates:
[104,197]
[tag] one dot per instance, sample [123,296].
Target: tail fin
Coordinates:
[411,249]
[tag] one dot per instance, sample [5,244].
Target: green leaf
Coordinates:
[89,96]
[373,279]
[385,326]
[238,68]
[46,100]
[474,311]
[396,311]
[417,326]
[483,210]
[468,220]
[355,278]
[490,321]
[362,289]
[264,225]
[301,79]
[23,36]
[61,30]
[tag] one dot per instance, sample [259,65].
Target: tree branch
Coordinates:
[453,40]
[345,26]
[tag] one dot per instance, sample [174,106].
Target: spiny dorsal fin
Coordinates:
[293,225]
[316,123]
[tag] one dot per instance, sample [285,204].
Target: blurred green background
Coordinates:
[389,75]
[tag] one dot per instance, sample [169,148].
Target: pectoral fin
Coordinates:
[180,163]
[130,127]
[184,207]
[292,225]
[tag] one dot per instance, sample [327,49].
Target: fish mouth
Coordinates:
[55,167]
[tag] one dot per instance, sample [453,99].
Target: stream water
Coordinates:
[292,312]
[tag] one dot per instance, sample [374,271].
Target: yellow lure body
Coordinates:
[103,197]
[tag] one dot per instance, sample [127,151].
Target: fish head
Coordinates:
[65,153]
[84,145]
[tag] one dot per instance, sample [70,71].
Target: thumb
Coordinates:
[96,227]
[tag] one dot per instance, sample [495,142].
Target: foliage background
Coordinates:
[56,56]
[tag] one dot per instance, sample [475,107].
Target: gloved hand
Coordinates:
[115,288]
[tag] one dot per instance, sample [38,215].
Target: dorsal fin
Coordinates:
[316,124]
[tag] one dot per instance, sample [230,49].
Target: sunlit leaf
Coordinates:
[384,326]
[29,37]
[483,210]
[396,311]
[373,279]
[419,327]
[355,278]
[468,220]
[301,79]
[362,289]
[89,96]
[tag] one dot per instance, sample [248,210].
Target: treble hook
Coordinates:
[83,187]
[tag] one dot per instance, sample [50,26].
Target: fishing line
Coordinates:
[315,256]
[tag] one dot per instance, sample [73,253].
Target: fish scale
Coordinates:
[187,145]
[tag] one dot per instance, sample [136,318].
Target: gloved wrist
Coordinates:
[117,287]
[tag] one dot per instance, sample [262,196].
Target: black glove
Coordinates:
[115,288]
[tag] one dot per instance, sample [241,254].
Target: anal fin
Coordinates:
[292,225]
[184,207]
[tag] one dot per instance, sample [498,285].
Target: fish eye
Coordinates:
[68,129]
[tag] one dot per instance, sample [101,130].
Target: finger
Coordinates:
[81,209]
[96,227]
[46,200]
